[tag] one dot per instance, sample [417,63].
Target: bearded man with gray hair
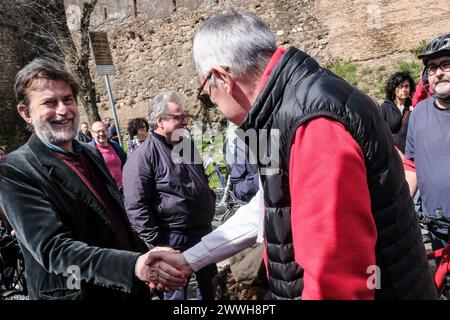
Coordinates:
[339,222]
[428,139]
[63,203]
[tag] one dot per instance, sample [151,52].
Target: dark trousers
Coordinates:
[206,289]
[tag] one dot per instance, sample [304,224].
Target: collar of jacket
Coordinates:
[161,139]
[76,148]
[47,158]
[407,106]
[266,104]
[67,179]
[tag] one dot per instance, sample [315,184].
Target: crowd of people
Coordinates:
[343,171]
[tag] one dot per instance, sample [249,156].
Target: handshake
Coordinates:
[163,268]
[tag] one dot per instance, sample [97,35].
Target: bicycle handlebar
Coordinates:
[437,219]
[430,222]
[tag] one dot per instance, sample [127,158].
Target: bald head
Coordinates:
[99,133]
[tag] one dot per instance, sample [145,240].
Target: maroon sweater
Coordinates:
[86,171]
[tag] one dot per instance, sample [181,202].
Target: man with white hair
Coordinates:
[339,222]
[170,203]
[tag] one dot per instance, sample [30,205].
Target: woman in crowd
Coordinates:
[396,108]
[138,131]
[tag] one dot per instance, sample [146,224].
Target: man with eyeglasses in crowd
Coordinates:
[111,151]
[428,139]
[168,201]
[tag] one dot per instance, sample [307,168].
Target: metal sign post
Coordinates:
[105,67]
[113,107]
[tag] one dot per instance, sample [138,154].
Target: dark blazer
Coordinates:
[84,137]
[62,228]
[163,197]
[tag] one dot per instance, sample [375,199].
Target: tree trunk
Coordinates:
[89,95]
[50,37]
[135,11]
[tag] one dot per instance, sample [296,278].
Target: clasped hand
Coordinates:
[163,268]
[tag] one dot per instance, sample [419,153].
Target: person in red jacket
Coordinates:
[421,93]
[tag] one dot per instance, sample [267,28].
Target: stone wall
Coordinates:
[151,41]
[152,51]
[152,55]
[367,30]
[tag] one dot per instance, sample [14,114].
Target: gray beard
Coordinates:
[47,134]
[444,97]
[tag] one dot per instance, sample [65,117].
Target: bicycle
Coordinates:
[216,169]
[12,267]
[226,201]
[432,223]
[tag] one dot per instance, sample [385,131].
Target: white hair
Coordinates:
[240,41]
[159,106]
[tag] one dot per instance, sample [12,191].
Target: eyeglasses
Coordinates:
[99,131]
[205,97]
[444,66]
[178,117]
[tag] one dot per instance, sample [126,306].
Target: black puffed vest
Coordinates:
[298,90]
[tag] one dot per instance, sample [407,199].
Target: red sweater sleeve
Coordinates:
[333,230]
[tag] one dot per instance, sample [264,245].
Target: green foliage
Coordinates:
[417,50]
[344,69]
[414,68]
[213,147]
[379,91]
[366,72]
[214,183]
[365,89]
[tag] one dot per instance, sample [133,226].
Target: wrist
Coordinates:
[186,264]
[138,268]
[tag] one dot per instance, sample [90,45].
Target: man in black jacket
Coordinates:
[170,203]
[84,135]
[63,204]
